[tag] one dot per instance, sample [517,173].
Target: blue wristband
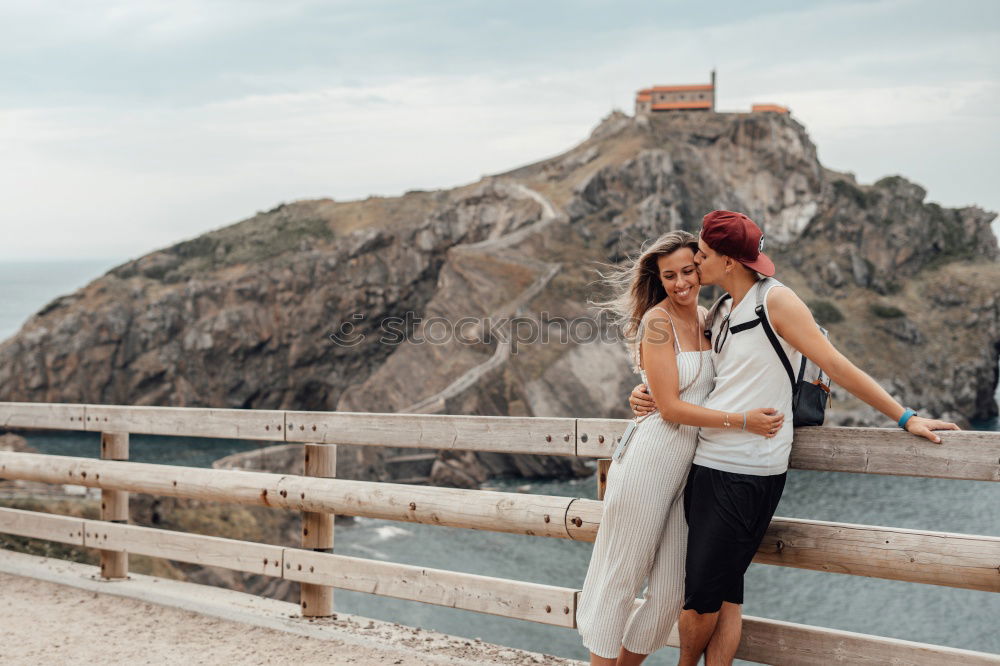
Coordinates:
[906,417]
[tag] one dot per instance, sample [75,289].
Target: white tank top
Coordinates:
[694,368]
[748,374]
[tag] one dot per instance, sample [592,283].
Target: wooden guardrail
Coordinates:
[940,558]
[961,455]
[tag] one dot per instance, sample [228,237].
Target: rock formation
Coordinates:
[11,442]
[325,305]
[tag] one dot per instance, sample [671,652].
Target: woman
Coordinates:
[643,532]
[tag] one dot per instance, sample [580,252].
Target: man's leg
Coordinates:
[721,649]
[696,630]
[704,585]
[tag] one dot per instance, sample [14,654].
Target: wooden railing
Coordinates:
[939,558]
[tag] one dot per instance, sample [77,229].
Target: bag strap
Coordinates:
[760,294]
[772,337]
[710,316]
[759,297]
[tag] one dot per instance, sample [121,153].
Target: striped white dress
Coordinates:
[643,534]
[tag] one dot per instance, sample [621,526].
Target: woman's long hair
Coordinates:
[635,285]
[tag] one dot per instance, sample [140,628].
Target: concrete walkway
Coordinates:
[57,612]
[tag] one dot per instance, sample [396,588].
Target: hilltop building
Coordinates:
[775,108]
[684,98]
[698,97]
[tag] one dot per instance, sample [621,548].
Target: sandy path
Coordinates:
[44,622]
[71,625]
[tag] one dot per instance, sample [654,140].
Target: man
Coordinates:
[737,478]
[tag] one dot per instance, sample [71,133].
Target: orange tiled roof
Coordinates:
[701,86]
[670,106]
[769,107]
[643,97]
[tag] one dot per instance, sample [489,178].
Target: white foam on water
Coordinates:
[385,532]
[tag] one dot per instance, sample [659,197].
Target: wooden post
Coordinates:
[114,505]
[603,465]
[317,530]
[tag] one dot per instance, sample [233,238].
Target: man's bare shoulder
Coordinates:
[781,296]
[785,306]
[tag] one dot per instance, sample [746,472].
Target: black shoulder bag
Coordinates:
[810,394]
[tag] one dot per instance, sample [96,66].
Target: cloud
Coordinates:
[132,126]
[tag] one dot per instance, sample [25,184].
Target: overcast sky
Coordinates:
[128,126]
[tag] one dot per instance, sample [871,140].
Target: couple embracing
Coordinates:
[690,498]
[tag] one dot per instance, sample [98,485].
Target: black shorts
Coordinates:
[727,515]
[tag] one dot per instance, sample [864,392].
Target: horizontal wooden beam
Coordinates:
[962,454]
[174,481]
[211,551]
[257,424]
[787,643]
[764,641]
[504,434]
[917,556]
[38,525]
[519,513]
[46,415]
[776,642]
[534,602]
[940,558]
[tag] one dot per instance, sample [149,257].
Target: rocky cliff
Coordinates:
[347,305]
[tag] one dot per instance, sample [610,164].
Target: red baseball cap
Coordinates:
[737,236]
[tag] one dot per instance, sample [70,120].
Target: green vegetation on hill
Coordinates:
[886,311]
[825,312]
